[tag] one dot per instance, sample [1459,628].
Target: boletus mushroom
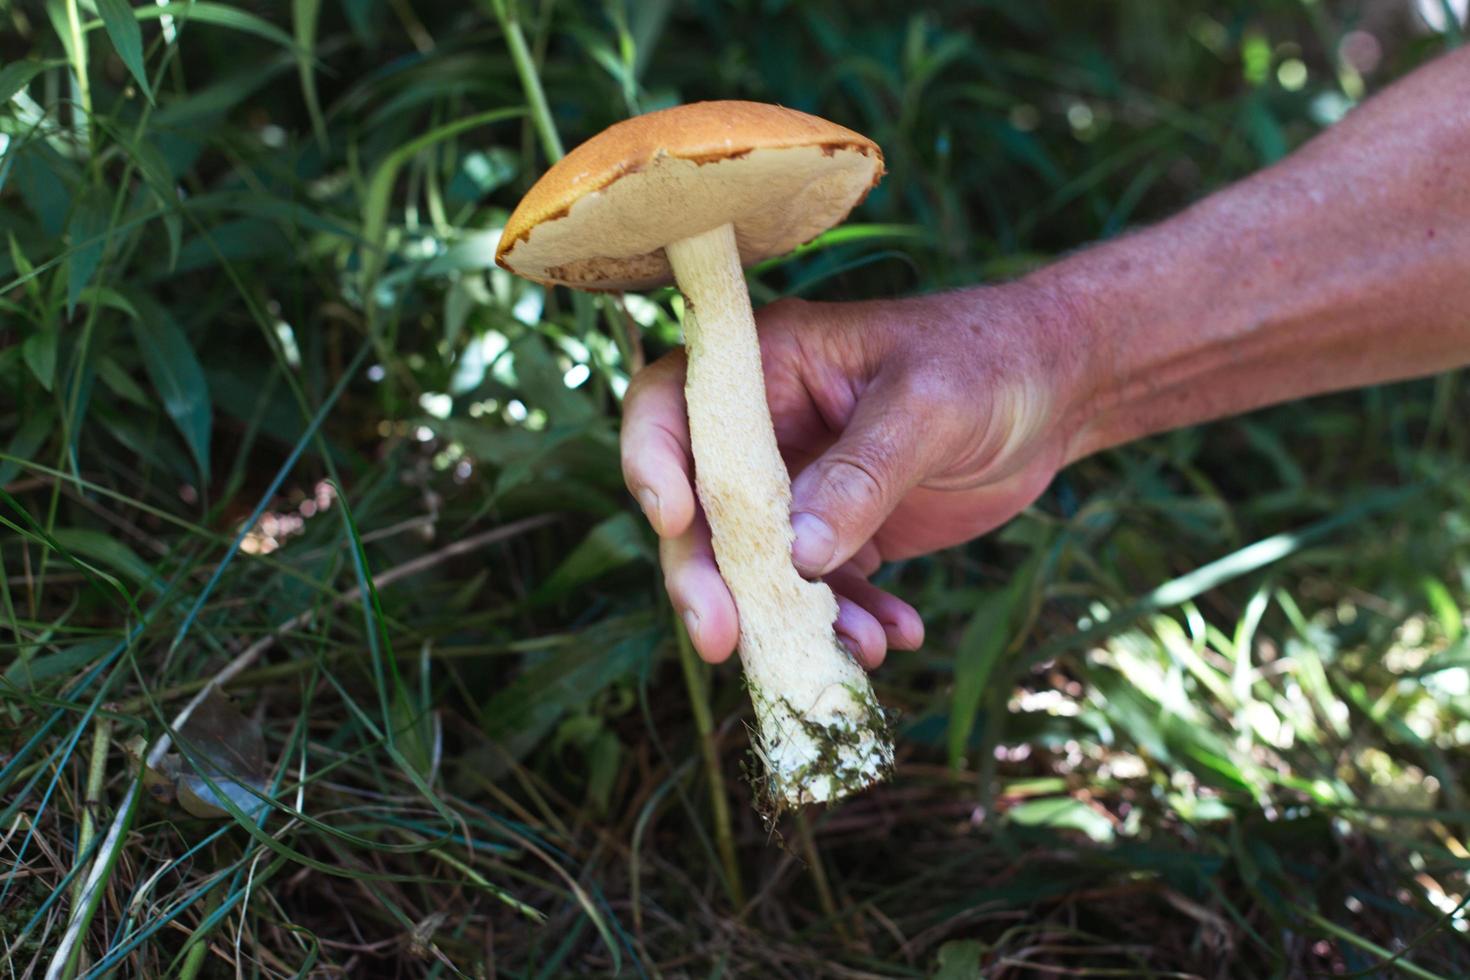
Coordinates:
[694,194]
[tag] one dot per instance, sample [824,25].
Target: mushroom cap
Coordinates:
[600,218]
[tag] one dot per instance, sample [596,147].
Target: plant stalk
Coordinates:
[78,45]
[813,859]
[515,39]
[718,797]
[92,801]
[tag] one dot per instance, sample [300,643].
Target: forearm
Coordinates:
[1347,264]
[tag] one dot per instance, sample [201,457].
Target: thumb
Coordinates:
[840,500]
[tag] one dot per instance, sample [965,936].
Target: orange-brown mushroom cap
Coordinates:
[600,218]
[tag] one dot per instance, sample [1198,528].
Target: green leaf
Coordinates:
[219,98]
[604,764]
[413,730]
[176,376]
[87,232]
[39,351]
[980,648]
[380,187]
[1445,608]
[360,17]
[232,241]
[127,38]
[1063,812]
[56,13]
[219,15]
[521,715]
[110,298]
[612,544]
[154,166]
[44,180]
[29,672]
[959,959]
[18,74]
[120,383]
[25,270]
[1264,131]
[304,20]
[29,437]
[138,434]
[540,380]
[107,551]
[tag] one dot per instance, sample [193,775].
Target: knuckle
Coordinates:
[783,312]
[927,392]
[858,479]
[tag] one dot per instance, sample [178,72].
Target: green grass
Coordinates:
[279,441]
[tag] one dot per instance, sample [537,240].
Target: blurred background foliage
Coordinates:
[271,418]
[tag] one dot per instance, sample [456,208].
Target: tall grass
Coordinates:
[334,648]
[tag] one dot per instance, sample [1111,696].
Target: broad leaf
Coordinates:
[1063,812]
[980,648]
[176,376]
[521,715]
[103,549]
[31,436]
[127,38]
[87,232]
[612,544]
[223,755]
[17,75]
[39,351]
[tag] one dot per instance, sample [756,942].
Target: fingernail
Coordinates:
[853,648]
[648,500]
[814,544]
[691,622]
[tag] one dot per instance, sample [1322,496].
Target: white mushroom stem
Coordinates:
[820,731]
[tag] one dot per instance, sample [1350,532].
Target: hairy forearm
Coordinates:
[1347,264]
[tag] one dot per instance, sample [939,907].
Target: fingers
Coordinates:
[902,627]
[658,469]
[867,560]
[860,632]
[869,620]
[840,500]
[657,465]
[698,593]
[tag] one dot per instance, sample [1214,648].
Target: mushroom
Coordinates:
[693,194]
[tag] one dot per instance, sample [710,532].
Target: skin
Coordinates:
[916,424]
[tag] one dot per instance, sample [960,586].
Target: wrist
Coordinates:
[1146,334]
[1018,367]
[1071,321]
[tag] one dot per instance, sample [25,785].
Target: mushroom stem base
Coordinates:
[820,732]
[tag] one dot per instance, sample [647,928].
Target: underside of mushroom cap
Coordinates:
[601,217]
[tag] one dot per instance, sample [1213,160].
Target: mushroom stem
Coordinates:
[820,731]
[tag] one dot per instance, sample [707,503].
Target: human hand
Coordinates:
[908,425]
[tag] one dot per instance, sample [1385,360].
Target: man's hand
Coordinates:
[916,424]
[908,426]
